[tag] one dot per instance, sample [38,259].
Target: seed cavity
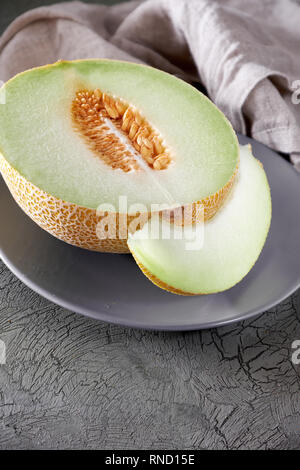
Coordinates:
[117,133]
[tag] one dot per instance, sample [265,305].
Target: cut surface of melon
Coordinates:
[53,134]
[229,243]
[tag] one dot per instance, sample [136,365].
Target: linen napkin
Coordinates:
[245,53]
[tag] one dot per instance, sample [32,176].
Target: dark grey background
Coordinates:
[71,382]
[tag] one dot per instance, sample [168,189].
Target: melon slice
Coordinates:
[228,244]
[78,135]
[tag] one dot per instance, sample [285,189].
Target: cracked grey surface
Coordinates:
[72,382]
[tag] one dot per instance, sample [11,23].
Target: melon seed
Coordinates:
[91,111]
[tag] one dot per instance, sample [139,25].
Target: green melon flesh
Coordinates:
[232,240]
[38,140]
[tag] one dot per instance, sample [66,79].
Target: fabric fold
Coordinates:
[246,54]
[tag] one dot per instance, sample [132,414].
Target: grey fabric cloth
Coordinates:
[246,54]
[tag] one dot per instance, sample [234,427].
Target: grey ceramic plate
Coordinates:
[112,288]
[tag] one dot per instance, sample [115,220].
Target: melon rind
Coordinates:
[77,225]
[69,222]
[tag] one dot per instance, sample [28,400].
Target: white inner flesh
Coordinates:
[166,197]
[38,139]
[232,240]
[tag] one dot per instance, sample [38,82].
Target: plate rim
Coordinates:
[105,317]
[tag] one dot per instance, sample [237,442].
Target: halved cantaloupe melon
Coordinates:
[213,259]
[76,135]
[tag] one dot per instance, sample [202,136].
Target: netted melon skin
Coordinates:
[77,225]
[70,223]
[212,204]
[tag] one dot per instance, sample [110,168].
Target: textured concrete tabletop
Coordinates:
[70,382]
